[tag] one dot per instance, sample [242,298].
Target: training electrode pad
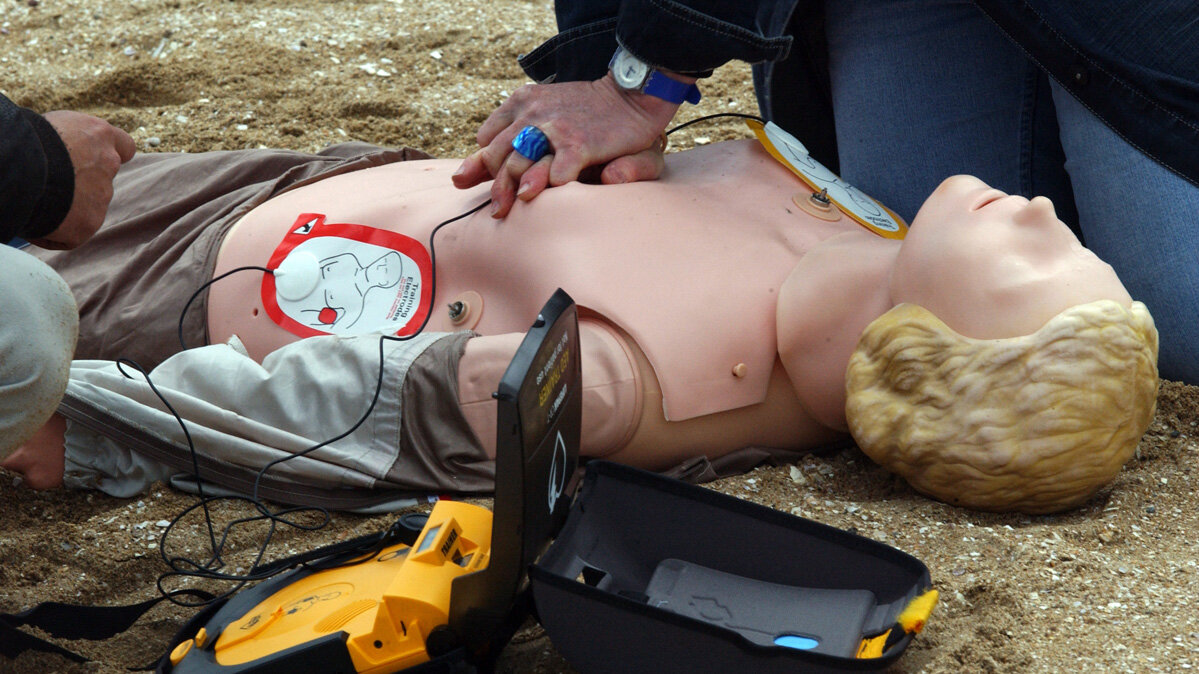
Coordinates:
[343,279]
[856,204]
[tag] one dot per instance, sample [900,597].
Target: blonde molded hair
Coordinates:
[1034,424]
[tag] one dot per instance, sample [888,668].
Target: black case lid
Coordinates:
[538,426]
[599,589]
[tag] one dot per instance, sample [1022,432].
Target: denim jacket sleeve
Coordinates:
[686,36]
[37,181]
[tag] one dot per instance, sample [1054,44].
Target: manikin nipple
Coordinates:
[297,276]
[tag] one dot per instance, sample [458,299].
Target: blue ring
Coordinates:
[531,143]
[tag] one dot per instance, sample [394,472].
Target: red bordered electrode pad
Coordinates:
[343,279]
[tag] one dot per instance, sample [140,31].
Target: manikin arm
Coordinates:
[245,414]
[612,386]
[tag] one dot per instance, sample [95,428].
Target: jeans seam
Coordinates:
[1027,132]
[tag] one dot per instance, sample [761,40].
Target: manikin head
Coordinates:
[1015,372]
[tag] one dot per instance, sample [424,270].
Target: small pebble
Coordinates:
[129,51]
[32,3]
[1150,509]
[153,141]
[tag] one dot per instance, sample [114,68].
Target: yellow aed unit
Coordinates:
[374,616]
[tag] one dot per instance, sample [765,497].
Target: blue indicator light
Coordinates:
[796,642]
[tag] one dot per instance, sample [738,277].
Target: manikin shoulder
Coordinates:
[830,297]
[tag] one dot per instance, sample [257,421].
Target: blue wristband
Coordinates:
[671,90]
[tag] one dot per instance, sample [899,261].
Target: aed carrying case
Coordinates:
[650,574]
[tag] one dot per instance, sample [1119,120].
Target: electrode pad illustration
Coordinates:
[345,279]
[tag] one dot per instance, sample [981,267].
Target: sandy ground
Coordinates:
[1108,587]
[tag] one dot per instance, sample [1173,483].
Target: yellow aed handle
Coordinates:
[911,620]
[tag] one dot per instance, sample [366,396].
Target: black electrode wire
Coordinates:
[121,363]
[203,287]
[718,115]
[183,566]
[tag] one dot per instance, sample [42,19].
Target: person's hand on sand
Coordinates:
[587,124]
[97,151]
[40,461]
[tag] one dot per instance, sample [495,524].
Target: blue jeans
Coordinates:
[924,89]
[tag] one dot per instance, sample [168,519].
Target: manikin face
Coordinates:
[384,272]
[344,283]
[992,265]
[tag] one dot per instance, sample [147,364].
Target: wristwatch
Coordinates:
[633,74]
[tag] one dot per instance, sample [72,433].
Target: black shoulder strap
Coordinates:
[70,621]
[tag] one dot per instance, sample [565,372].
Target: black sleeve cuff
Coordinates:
[58,191]
[666,34]
[695,37]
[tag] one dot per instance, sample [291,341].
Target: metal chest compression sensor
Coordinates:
[458,589]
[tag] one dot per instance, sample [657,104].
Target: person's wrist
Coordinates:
[58,191]
[630,72]
[657,109]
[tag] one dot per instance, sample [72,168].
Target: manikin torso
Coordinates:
[689,267]
[713,275]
